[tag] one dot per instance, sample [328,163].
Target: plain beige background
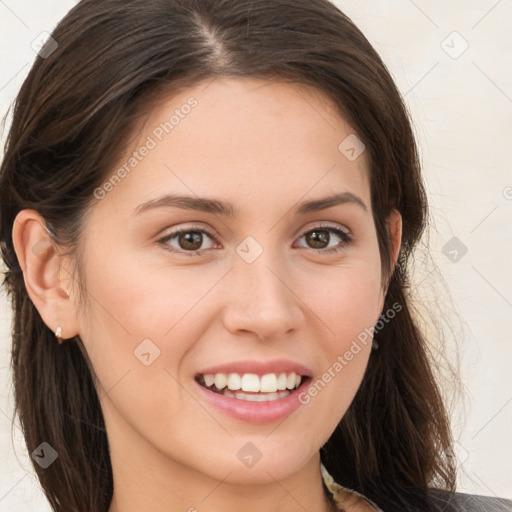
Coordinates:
[451,61]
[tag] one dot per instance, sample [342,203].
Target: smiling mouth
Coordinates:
[252,387]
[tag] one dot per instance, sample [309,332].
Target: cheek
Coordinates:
[137,332]
[131,302]
[349,302]
[137,329]
[350,305]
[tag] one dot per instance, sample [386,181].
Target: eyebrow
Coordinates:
[216,206]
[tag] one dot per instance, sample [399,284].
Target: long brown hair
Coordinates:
[70,120]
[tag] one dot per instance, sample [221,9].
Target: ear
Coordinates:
[395,233]
[47,274]
[395,230]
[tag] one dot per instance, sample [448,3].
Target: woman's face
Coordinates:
[260,282]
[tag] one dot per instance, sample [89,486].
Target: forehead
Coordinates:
[242,139]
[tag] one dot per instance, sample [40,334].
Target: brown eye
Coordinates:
[316,239]
[190,240]
[319,239]
[185,241]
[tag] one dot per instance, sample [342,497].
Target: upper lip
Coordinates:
[259,367]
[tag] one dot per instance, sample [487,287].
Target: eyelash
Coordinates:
[345,237]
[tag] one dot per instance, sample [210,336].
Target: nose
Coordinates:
[260,299]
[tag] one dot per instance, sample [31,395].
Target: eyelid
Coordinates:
[324,225]
[192,227]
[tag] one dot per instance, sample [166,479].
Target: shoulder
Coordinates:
[434,500]
[461,502]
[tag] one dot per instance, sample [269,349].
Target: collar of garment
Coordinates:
[342,495]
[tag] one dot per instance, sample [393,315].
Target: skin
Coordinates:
[264,147]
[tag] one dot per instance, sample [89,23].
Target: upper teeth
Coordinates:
[268,383]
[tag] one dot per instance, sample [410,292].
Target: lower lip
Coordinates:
[254,412]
